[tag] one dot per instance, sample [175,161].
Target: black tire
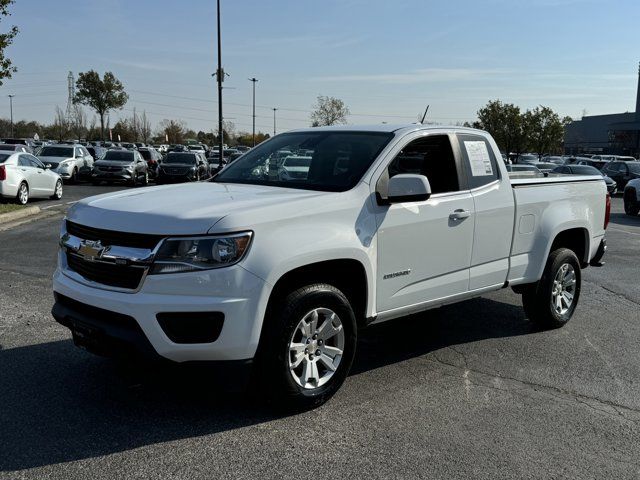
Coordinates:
[538,299]
[631,206]
[272,360]
[95,183]
[55,195]
[145,179]
[134,180]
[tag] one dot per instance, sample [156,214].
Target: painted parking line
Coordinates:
[623,231]
[58,205]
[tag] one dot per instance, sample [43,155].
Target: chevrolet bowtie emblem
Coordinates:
[90,249]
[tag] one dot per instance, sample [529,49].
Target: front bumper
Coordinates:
[111,177]
[232,291]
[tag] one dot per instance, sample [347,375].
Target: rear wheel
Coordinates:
[631,205]
[57,191]
[551,302]
[307,348]
[22,197]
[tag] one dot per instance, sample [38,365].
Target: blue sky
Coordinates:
[386,59]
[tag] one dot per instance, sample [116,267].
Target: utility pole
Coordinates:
[254,80]
[274,121]
[220,78]
[11,110]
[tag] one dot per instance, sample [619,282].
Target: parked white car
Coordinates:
[23,176]
[71,162]
[254,271]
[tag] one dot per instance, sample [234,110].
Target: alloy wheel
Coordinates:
[316,348]
[563,291]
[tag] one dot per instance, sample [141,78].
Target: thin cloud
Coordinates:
[417,76]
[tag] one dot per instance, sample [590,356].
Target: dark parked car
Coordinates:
[599,164]
[182,167]
[586,170]
[622,172]
[121,166]
[152,157]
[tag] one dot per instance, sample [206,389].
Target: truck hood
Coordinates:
[184,209]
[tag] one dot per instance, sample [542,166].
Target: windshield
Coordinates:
[7,147]
[634,167]
[3,157]
[118,156]
[180,158]
[337,162]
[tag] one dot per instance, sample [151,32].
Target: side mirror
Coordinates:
[47,166]
[79,156]
[408,187]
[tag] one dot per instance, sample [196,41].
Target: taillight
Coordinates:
[3,173]
[607,211]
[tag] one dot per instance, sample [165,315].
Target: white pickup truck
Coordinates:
[270,277]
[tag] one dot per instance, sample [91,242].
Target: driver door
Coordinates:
[424,248]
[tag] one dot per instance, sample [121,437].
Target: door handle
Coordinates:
[459,214]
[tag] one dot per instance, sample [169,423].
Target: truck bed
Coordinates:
[546,206]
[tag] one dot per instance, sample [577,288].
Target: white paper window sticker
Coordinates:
[479,158]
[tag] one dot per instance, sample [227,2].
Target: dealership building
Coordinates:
[614,134]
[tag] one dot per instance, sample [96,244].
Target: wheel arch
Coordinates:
[346,274]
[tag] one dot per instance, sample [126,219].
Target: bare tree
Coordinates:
[145,127]
[79,121]
[60,124]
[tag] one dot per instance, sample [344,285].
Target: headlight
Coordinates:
[177,255]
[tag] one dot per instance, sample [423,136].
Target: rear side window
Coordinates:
[478,159]
[431,156]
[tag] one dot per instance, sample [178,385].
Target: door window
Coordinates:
[34,162]
[431,156]
[479,160]
[23,161]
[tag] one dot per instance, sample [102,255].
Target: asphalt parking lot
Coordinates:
[467,391]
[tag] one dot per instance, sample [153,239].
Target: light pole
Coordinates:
[11,110]
[220,78]
[274,121]
[254,80]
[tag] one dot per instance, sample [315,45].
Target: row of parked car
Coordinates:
[27,172]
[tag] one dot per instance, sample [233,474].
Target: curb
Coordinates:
[18,214]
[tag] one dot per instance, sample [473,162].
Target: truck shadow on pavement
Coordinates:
[624,219]
[60,404]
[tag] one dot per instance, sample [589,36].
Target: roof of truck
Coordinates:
[384,127]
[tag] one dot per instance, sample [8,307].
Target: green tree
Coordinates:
[505,123]
[328,111]
[544,130]
[6,39]
[101,94]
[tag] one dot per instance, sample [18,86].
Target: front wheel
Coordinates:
[307,347]
[631,206]
[551,302]
[145,179]
[57,191]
